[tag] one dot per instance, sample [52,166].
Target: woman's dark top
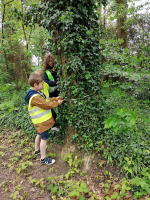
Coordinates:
[51,83]
[46,79]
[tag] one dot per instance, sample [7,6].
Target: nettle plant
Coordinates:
[127,140]
[75,34]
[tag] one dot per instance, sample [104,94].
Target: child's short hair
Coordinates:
[35,78]
[39,72]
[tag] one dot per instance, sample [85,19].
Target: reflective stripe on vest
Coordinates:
[38,115]
[34,110]
[50,77]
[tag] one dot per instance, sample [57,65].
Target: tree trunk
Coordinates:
[3,37]
[121,19]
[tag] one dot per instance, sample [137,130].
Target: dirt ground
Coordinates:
[16,148]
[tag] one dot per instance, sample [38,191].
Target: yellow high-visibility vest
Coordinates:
[45,90]
[37,114]
[50,77]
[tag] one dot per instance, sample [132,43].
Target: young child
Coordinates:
[40,112]
[45,90]
[49,74]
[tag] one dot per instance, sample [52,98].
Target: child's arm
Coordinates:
[52,99]
[42,103]
[55,98]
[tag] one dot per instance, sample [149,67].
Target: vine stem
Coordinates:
[65,190]
[75,99]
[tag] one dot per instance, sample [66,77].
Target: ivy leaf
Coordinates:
[115,123]
[83,67]
[47,23]
[80,189]
[108,123]
[82,198]
[128,188]
[70,42]
[83,185]
[72,194]
[115,128]
[89,32]
[54,189]
[86,190]
[70,161]
[60,192]
[121,112]
[136,181]
[87,76]
[133,122]
[115,196]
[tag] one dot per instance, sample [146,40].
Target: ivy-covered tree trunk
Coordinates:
[75,44]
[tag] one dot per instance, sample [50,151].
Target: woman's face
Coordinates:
[50,63]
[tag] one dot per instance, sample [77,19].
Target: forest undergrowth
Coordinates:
[23,177]
[97,58]
[123,151]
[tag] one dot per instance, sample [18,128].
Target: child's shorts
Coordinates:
[44,135]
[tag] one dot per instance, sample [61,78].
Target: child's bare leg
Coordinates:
[37,142]
[43,148]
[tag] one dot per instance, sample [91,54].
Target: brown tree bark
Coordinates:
[27,44]
[3,37]
[121,19]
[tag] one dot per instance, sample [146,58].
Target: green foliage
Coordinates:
[121,106]
[19,43]
[130,131]
[14,194]
[18,116]
[37,182]
[78,42]
[72,163]
[127,140]
[23,166]
[2,153]
[126,93]
[63,186]
[141,186]
[52,155]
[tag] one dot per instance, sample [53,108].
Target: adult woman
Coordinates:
[50,74]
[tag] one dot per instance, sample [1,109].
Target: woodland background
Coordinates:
[118,125]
